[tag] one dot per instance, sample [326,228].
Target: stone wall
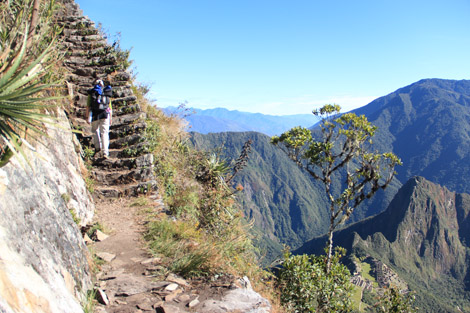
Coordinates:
[43,260]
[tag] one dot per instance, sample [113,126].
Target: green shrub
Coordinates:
[393,301]
[368,297]
[306,286]
[88,303]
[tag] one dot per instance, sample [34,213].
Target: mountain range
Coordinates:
[278,196]
[427,124]
[421,231]
[223,120]
[286,204]
[423,235]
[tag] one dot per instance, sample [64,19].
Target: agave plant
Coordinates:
[19,110]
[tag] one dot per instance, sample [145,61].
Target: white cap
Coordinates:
[99,82]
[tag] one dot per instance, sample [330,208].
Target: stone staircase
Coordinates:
[129,170]
[128,281]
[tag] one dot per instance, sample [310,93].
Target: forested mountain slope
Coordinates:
[423,235]
[427,124]
[285,203]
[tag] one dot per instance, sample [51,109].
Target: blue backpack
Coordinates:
[100,100]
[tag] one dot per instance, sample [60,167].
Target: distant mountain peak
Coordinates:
[423,235]
[224,120]
[427,125]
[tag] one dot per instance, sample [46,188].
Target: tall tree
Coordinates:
[344,149]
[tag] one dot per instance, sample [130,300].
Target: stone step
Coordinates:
[83,31]
[130,109]
[123,177]
[83,71]
[126,141]
[85,45]
[79,80]
[122,91]
[112,164]
[119,121]
[89,53]
[122,76]
[83,61]
[126,130]
[126,190]
[107,69]
[77,61]
[87,37]
[77,22]
[80,100]
[118,102]
[132,151]
[119,83]
[78,53]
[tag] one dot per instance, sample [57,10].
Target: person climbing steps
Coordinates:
[99,113]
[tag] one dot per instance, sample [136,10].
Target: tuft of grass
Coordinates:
[65,197]
[140,202]
[90,184]
[94,262]
[96,226]
[88,153]
[178,241]
[89,302]
[75,218]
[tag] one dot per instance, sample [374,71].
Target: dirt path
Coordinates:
[127,278]
[119,217]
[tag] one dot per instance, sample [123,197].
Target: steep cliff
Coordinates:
[44,263]
[43,260]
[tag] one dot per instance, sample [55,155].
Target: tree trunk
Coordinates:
[330,247]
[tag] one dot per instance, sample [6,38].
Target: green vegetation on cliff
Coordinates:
[422,236]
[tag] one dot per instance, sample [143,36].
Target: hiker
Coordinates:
[99,114]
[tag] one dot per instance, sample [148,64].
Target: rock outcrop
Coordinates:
[43,260]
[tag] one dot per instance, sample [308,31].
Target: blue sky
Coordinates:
[286,57]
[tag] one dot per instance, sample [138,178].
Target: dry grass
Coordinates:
[206,233]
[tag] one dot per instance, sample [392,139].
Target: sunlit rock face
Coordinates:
[43,260]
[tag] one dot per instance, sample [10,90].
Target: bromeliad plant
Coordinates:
[24,72]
